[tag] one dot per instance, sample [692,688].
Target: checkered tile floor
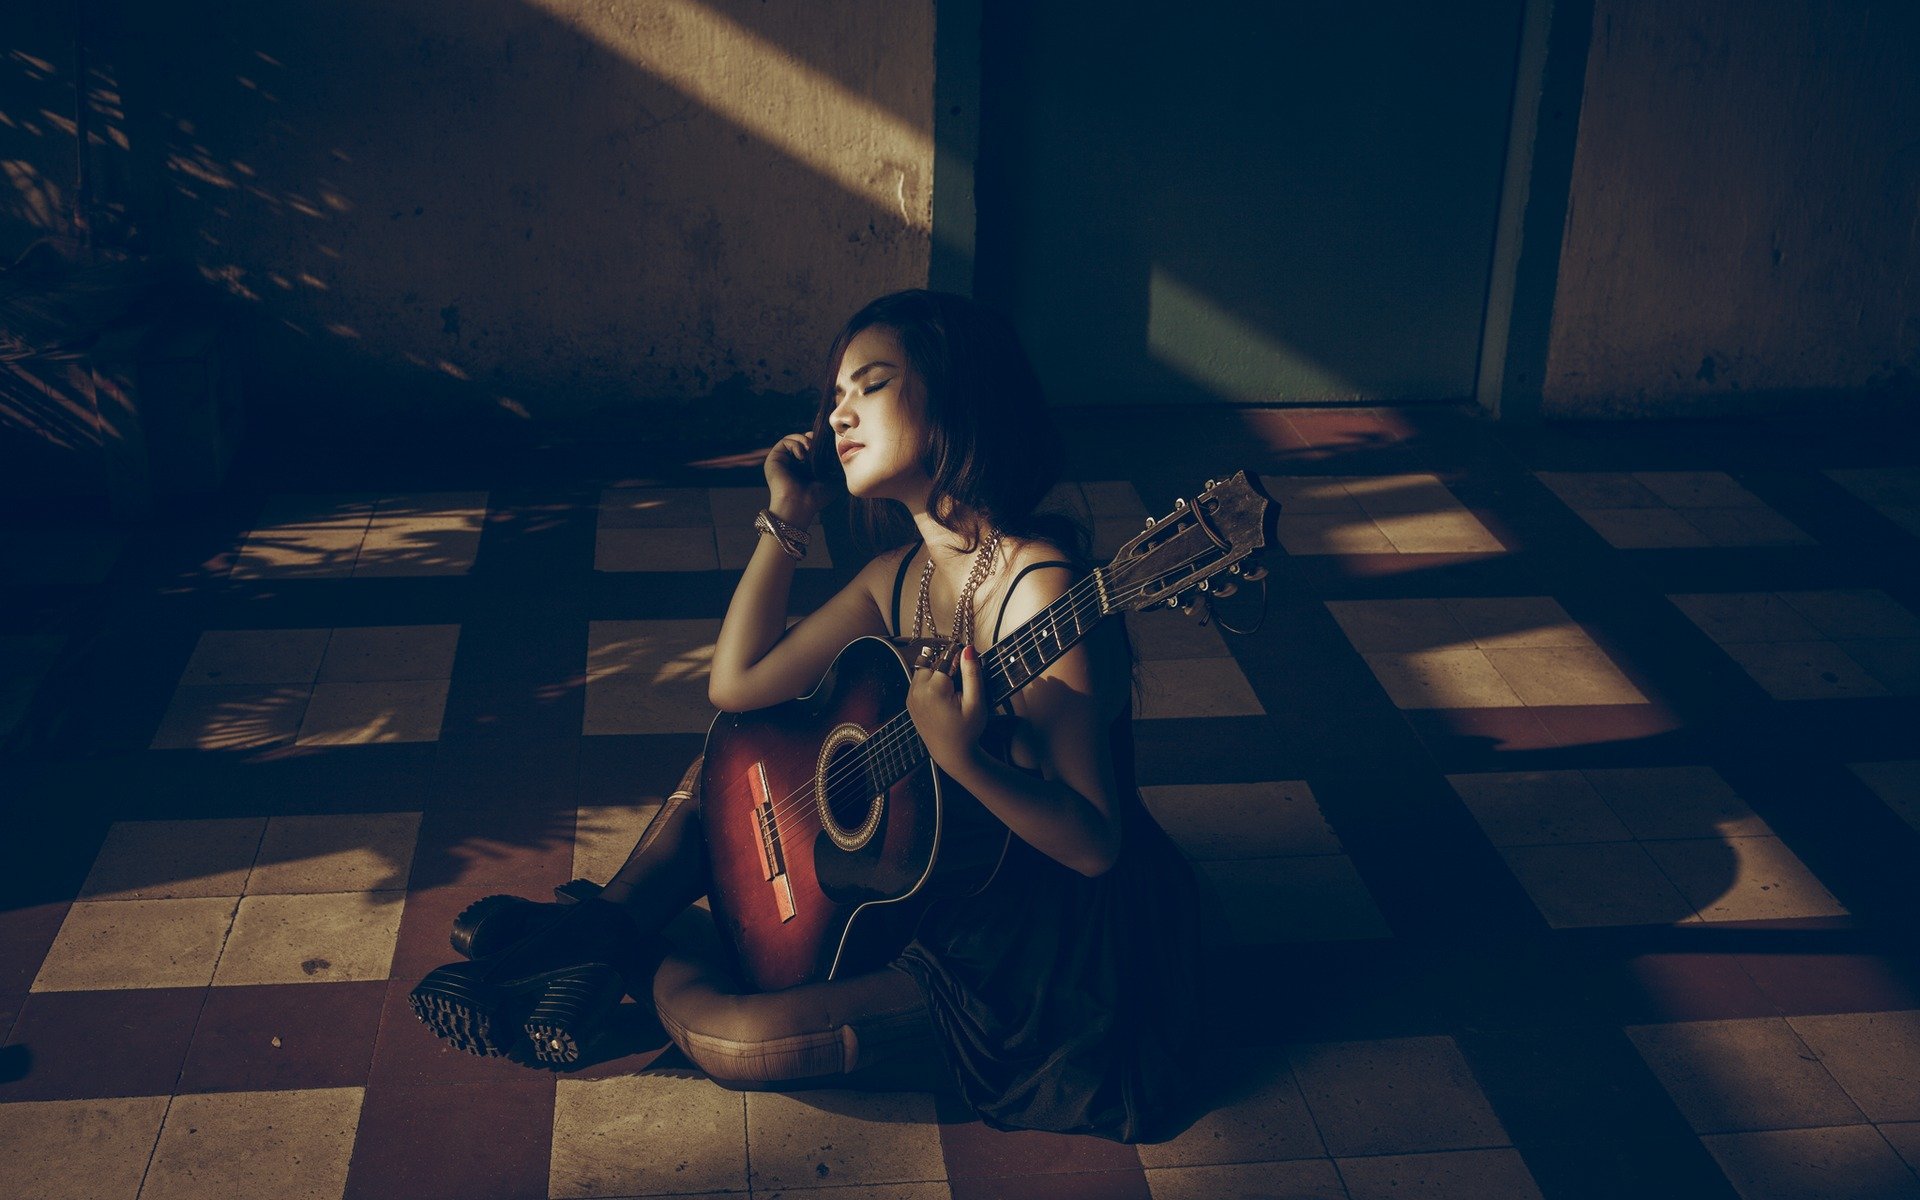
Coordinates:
[1560,822]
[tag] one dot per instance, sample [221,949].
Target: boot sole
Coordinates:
[550,1016]
[470,941]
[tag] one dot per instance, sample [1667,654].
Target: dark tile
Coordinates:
[26,934]
[634,769]
[82,1045]
[407,1054]
[1608,730]
[456,1142]
[427,925]
[1097,1185]
[975,1151]
[1805,984]
[1480,739]
[284,1036]
[523,850]
[1660,988]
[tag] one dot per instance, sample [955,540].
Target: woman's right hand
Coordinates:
[796,492]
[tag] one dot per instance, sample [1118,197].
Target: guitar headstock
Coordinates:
[1181,552]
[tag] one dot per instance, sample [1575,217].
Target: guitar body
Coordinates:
[817,871]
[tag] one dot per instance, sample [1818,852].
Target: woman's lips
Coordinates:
[850,451]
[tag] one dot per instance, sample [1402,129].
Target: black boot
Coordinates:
[545,994]
[492,923]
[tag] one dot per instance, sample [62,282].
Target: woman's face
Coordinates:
[879,407]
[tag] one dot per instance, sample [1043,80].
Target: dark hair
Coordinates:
[992,447]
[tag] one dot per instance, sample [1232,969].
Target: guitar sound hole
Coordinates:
[847,796]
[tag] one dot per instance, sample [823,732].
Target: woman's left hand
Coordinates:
[950,714]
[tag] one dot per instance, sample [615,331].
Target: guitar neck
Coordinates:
[1007,666]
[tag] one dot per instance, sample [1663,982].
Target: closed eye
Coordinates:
[868,391]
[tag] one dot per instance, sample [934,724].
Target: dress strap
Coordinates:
[899,581]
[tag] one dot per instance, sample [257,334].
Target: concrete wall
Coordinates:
[1744,224]
[517,206]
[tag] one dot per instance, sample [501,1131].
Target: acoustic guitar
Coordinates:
[828,827]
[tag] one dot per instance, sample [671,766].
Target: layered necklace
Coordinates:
[962,635]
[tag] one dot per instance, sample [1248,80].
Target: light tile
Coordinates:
[1257,1115]
[255,656]
[1897,783]
[1895,491]
[619,705]
[1394,1096]
[735,545]
[604,835]
[654,549]
[1744,879]
[1598,489]
[1311,495]
[1697,489]
[344,511]
[1535,808]
[118,944]
[470,507]
[239,717]
[735,506]
[655,508]
[1303,898]
[1516,622]
[162,860]
[1904,1137]
[1735,1076]
[78,1149]
[1307,1179]
[608,1135]
[1327,533]
[1644,528]
[1400,495]
[332,938]
[1894,663]
[369,653]
[1611,883]
[1111,533]
[360,714]
[1806,1164]
[836,1136]
[1875,1056]
[1242,820]
[663,651]
[1729,617]
[255,1146]
[1164,633]
[418,548]
[1195,687]
[1447,532]
[1459,1175]
[1759,526]
[1564,675]
[1675,802]
[349,852]
[1113,498]
[1804,670]
[323,552]
[1443,679]
[1399,626]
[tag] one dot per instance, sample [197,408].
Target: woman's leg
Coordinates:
[872,1029]
[667,869]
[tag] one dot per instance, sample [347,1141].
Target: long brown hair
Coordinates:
[992,447]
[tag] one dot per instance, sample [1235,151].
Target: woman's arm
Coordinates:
[1069,814]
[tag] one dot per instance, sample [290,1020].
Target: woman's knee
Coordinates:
[741,1043]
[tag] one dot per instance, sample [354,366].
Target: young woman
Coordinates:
[1060,997]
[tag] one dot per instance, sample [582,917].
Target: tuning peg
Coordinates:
[1225,588]
[1212,483]
[1180,505]
[1254,573]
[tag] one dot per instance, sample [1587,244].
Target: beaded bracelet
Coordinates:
[792,538]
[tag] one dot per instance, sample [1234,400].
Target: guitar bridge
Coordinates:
[773,863]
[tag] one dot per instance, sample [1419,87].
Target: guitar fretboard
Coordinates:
[895,749]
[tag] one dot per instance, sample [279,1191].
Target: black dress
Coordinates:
[1066,1003]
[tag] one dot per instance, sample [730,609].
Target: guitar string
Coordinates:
[888,744]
